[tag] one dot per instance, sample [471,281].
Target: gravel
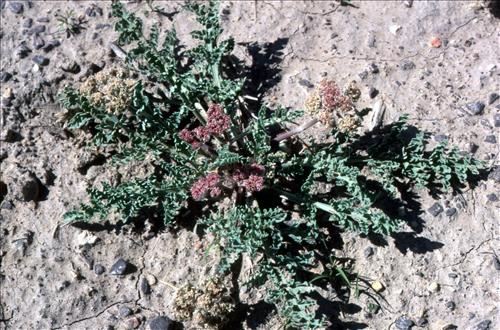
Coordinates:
[475,108]
[404,323]
[435,209]
[120,267]
[161,323]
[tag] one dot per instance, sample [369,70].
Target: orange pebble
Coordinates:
[435,42]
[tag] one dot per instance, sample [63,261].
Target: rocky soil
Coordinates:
[439,62]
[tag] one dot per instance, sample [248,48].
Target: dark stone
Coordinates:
[102,26]
[40,60]
[28,23]
[372,92]
[407,65]
[373,68]
[483,325]
[496,263]
[99,269]
[490,139]
[368,252]
[39,29]
[5,76]
[475,108]
[496,120]
[451,212]
[121,267]
[16,7]
[161,323]
[363,75]
[495,174]
[145,287]
[449,327]
[422,322]
[492,197]
[435,209]
[492,98]
[450,305]
[22,51]
[93,11]
[452,275]
[71,67]
[124,311]
[30,187]
[404,323]
[440,138]
[43,20]
[51,45]
[38,42]
[9,135]
[473,147]
[7,205]
[306,83]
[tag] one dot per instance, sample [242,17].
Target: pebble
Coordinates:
[496,120]
[492,197]
[120,267]
[93,11]
[407,65]
[451,212]
[449,327]
[28,23]
[495,174]
[132,323]
[39,29]
[422,322]
[51,45]
[483,325]
[394,29]
[440,138]
[475,108]
[43,20]
[99,269]
[40,60]
[490,139]
[473,147]
[373,68]
[496,263]
[492,98]
[306,83]
[7,205]
[145,287]
[404,323]
[450,305]
[161,323]
[22,51]
[9,135]
[38,42]
[5,76]
[452,275]
[70,66]
[16,7]
[377,286]
[434,287]
[85,238]
[124,311]
[435,209]
[372,92]
[368,252]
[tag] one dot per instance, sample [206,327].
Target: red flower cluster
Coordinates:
[250,177]
[332,97]
[217,123]
[208,184]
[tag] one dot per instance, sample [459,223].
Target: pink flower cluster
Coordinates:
[207,185]
[250,177]
[333,98]
[217,123]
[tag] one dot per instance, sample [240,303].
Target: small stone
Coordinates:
[38,42]
[5,76]
[132,323]
[496,263]
[368,252]
[473,147]
[70,66]
[16,7]
[64,285]
[373,68]
[372,92]
[435,209]
[39,29]
[434,287]
[422,322]
[85,238]
[394,29]
[306,83]
[145,287]
[124,311]
[440,138]
[22,51]
[7,205]
[490,139]
[363,75]
[475,108]
[492,197]
[377,286]
[450,305]
[93,11]
[43,20]
[496,120]
[492,98]
[449,327]
[451,212]
[151,279]
[51,45]
[452,275]
[161,323]
[27,23]
[407,65]
[403,323]
[99,269]
[483,325]
[121,267]
[495,174]
[40,60]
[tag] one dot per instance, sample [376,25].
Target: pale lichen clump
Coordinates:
[208,306]
[328,104]
[112,88]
